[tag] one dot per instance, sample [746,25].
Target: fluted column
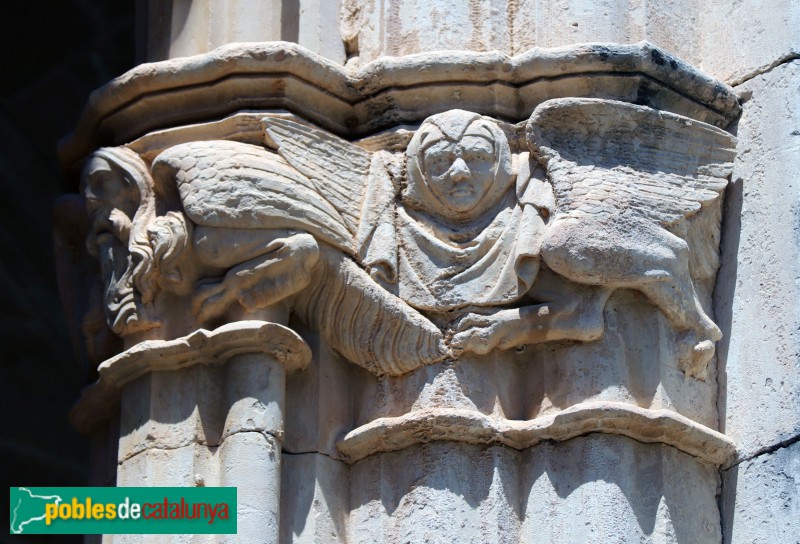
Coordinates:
[181,28]
[207,410]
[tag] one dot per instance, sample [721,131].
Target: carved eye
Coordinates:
[437,163]
[478,155]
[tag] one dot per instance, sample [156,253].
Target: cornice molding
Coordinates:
[386,92]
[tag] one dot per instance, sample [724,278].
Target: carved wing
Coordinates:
[337,168]
[606,157]
[237,185]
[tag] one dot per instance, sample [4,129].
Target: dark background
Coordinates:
[55,53]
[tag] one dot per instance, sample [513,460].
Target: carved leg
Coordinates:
[699,331]
[637,255]
[363,322]
[283,269]
[572,312]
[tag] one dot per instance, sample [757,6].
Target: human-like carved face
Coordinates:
[106,194]
[459,166]
[460,173]
[113,187]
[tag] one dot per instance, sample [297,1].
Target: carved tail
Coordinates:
[366,324]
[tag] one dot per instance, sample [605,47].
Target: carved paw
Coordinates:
[212,299]
[694,355]
[481,333]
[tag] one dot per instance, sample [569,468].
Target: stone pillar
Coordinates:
[207,410]
[180,28]
[756,51]
[499,245]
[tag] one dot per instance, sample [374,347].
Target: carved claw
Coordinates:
[211,300]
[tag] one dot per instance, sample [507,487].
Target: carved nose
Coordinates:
[459,171]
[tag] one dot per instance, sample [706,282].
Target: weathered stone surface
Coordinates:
[389,91]
[315,499]
[516,285]
[742,39]
[438,492]
[757,290]
[761,498]
[729,40]
[188,465]
[179,29]
[590,489]
[319,401]
[404,27]
[251,462]
[601,489]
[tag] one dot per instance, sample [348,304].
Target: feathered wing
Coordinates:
[337,168]
[606,157]
[316,188]
[235,185]
[368,325]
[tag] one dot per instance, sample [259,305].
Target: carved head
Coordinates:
[459,165]
[120,203]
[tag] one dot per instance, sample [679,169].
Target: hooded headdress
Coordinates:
[485,261]
[452,126]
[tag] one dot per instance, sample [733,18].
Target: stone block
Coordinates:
[594,489]
[318,405]
[600,489]
[746,37]
[319,28]
[761,498]
[403,27]
[438,492]
[757,288]
[180,28]
[251,462]
[314,499]
[168,410]
[177,467]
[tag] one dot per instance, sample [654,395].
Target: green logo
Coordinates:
[122,510]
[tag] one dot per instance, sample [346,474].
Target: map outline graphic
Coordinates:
[20,527]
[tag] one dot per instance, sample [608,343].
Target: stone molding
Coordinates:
[201,347]
[387,92]
[642,424]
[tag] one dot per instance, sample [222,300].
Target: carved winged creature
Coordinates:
[625,178]
[284,228]
[405,259]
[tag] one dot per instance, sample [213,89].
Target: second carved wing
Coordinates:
[605,158]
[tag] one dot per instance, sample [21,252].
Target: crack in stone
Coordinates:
[549,441]
[786,59]
[328,455]
[200,443]
[766,450]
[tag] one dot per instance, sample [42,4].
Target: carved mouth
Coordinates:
[123,312]
[461,192]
